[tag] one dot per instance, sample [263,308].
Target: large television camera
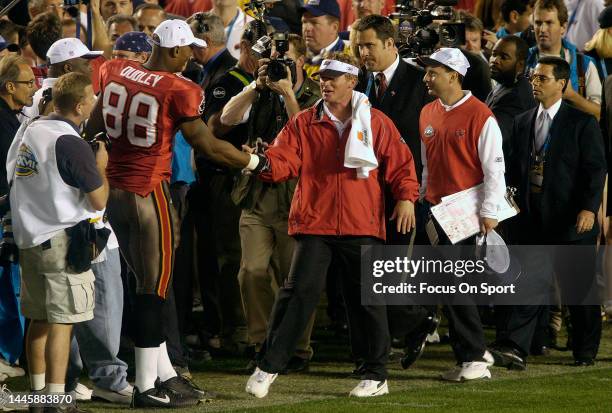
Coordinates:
[422,25]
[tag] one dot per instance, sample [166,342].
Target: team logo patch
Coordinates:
[219,92]
[429,131]
[27,165]
[362,135]
[460,133]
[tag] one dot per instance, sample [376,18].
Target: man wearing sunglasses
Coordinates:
[17,87]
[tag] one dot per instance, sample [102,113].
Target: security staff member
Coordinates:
[266,106]
[335,210]
[558,165]
[512,95]
[462,147]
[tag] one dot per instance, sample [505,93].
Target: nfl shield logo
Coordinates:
[429,131]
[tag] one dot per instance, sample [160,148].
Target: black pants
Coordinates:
[404,320]
[465,327]
[218,247]
[523,321]
[297,299]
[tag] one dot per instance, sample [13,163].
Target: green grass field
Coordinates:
[549,384]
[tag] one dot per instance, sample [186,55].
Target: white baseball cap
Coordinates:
[70,48]
[173,33]
[450,57]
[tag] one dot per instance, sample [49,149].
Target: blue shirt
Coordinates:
[182,171]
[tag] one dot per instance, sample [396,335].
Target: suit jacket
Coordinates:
[574,173]
[605,122]
[402,102]
[506,102]
[224,62]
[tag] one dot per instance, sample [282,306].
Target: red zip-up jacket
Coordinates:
[329,199]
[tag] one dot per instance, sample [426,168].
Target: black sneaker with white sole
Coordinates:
[187,387]
[161,397]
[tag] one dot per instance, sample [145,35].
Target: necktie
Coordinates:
[543,128]
[381,80]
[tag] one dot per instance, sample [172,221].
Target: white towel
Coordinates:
[359,151]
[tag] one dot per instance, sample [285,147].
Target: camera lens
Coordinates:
[276,70]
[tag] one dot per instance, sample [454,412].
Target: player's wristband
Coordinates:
[253,162]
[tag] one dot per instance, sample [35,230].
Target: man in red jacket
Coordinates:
[335,210]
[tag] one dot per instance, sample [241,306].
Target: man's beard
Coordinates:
[505,78]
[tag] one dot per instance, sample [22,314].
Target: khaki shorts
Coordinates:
[48,291]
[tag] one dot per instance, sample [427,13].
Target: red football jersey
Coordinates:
[142,111]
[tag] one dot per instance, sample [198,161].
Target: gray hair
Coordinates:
[35,4]
[214,34]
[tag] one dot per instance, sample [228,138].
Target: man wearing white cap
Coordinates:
[342,150]
[140,109]
[64,56]
[461,147]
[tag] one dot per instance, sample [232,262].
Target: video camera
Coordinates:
[277,66]
[423,25]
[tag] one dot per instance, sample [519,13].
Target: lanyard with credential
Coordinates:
[572,18]
[540,155]
[369,87]
[230,27]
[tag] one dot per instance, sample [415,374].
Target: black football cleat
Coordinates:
[417,340]
[188,388]
[586,362]
[160,397]
[508,357]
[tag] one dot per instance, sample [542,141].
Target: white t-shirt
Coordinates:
[233,32]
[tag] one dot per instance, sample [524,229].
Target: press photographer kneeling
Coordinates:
[57,184]
[281,90]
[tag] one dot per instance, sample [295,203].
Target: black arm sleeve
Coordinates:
[592,165]
[77,164]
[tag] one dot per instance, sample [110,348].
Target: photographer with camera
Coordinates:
[266,106]
[96,341]
[57,184]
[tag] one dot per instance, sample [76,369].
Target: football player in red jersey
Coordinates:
[140,108]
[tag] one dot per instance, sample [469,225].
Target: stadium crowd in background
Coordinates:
[180,182]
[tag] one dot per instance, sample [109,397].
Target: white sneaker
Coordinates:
[259,383]
[370,388]
[10,371]
[82,392]
[433,338]
[471,370]
[120,397]
[488,358]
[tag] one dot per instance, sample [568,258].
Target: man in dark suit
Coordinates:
[396,88]
[513,94]
[558,165]
[605,122]
[393,86]
[215,58]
